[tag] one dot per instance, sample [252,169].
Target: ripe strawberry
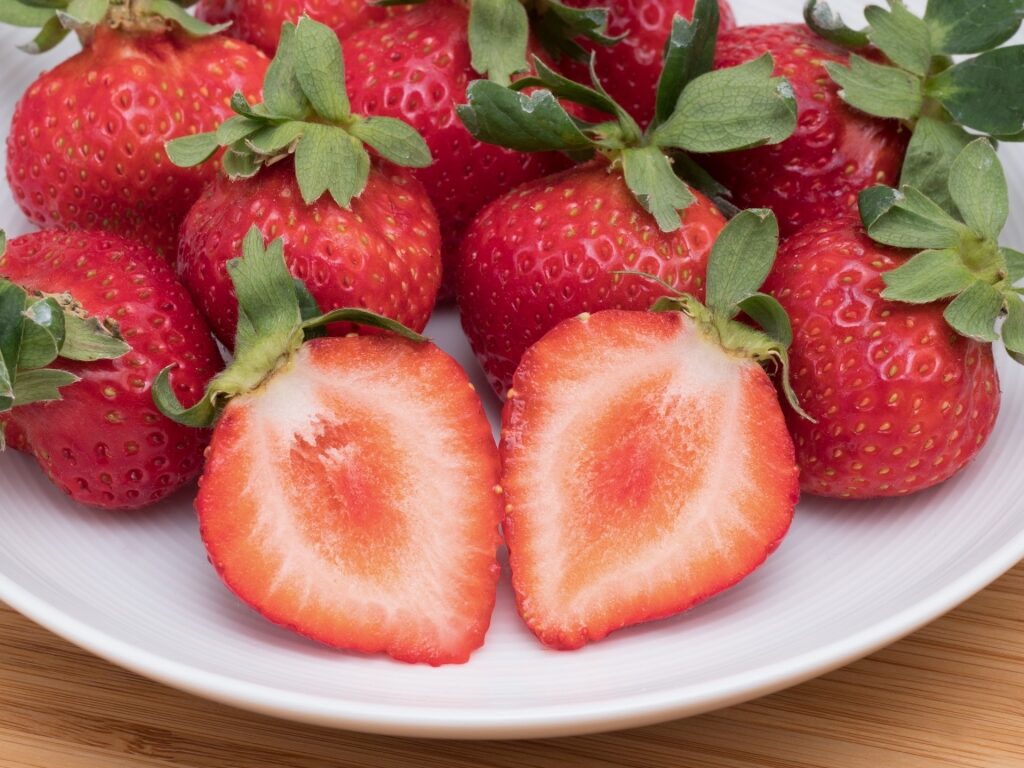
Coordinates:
[555,247]
[373,242]
[259,21]
[99,437]
[630,69]
[85,149]
[646,464]
[904,394]
[835,152]
[348,492]
[416,67]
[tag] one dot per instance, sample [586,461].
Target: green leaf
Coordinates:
[977,185]
[907,219]
[499,31]
[985,93]
[901,36]
[362,317]
[329,159]
[741,259]
[934,145]
[927,277]
[189,151]
[267,303]
[87,339]
[393,140]
[12,305]
[87,12]
[731,109]
[21,14]
[237,128]
[320,69]
[42,334]
[829,25]
[649,176]
[277,139]
[972,26]
[567,89]
[50,35]
[533,122]
[202,414]
[240,165]
[1013,328]
[766,311]
[877,89]
[282,94]
[1014,265]
[40,384]
[689,53]
[174,12]
[974,312]
[308,309]
[557,27]
[697,178]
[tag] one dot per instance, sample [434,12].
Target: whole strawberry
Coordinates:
[558,246]
[630,69]
[259,21]
[901,380]
[372,242]
[85,149]
[87,320]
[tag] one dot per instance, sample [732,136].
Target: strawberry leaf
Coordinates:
[901,36]
[174,12]
[649,176]
[1013,328]
[50,35]
[273,140]
[283,95]
[985,93]
[393,140]
[189,151]
[974,312]
[907,219]
[689,53]
[87,339]
[977,185]
[1014,265]
[362,317]
[972,26]
[730,109]
[41,384]
[87,13]
[564,88]
[328,158]
[741,258]
[22,14]
[12,307]
[769,315]
[829,25]
[556,26]
[42,334]
[933,147]
[499,31]
[877,89]
[927,277]
[320,70]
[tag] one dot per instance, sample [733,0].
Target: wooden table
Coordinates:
[951,695]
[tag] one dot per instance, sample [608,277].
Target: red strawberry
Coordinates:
[259,21]
[416,67]
[85,148]
[630,69]
[105,444]
[549,250]
[645,469]
[373,242]
[349,490]
[836,150]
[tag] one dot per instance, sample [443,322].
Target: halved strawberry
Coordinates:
[349,490]
[646,466]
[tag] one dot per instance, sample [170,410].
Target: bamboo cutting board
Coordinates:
[951,695]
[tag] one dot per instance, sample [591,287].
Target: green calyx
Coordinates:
[697,110]
[984,93]
[957,236]
[740,261]
[56,18]
[35,330]
[276,314]
[305,113]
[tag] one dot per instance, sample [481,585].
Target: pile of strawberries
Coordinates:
[707,266]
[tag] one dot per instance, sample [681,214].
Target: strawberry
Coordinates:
[556,247]
[630,69]
[349,489]
[646,464]
[372,242]
[115,314]
[85,149]
[901,380]
[259,21]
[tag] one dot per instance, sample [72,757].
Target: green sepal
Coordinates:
[978,188]
[741,258]
[189,151]
[974,312]
[985,93]
[558,26]
[173,11]
[50,35]
[499,31]
[1014,261]
[86,339]
[272,140]
[689,53]
[901,36]
[320,70]
[362,317]
[40,385]
[330,159]
[934,146]
[23,14]
[928,276]
[648,174]
[972,26]
[769,314]
[393,140]
[877,89]
[907,219]
[42,334]
[1013,327]
[283,95]
[829,25]
[730,109]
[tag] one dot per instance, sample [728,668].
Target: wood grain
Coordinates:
[951,695]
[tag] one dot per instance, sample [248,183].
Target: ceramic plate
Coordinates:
[850,578]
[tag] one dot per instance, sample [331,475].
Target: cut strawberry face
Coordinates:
[351,499]
[645,469]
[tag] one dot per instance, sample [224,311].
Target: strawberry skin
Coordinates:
[382,255]
[835,152]
[259,21]
[546,251]
[644,468]
[629,70]
[86,146]
[416,67]
[902,402]
[105,444]
[351,498]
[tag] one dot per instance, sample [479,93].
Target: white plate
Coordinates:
[850,578]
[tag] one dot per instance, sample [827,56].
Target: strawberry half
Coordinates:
[646,463]
[349,489]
